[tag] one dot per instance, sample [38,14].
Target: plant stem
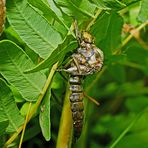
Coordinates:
[127,129]
[130,37]
[13,137]
[65,129]
[93,20]
[24,126]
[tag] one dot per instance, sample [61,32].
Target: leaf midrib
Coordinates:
[13,62]
[28,23]
[8,116]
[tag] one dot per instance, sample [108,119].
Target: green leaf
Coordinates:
[121,76]
[108,4]
[143,14]
[55,8]
[133,15]
[3,126]
[45,8]
[136,140]
[57,55]
[137,137]
[114,4]
[13,63]
[61,22]
[16,94]
[13,36]
[141,124]
[8,108]
[127,129]
[100,4]
[24,108]
[136,104]
[86,6]
[128,89]
[32,28]
[138,56]
[47,11]
[107,31]
[129,2]
[78,9]
[99,29]
[44,116]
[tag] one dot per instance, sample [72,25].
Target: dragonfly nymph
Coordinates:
[87,60]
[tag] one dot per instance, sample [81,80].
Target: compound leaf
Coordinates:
[57,55]
[44,116]
[35,30]
[8,108]
[143,14]
[13,63]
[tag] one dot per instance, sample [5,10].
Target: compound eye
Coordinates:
[87,38]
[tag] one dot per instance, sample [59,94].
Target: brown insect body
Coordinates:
[86,60]
[77,107]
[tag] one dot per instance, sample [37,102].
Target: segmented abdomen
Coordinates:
[77,107]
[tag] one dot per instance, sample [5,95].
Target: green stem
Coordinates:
[24,126]
[130,37]
[14,136]
[94,19]
[65,130]
[126,130]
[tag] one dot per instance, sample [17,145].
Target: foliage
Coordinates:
[38,38]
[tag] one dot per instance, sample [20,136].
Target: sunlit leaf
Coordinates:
[129,2]
[24,108]
[35,30]
[13,63]
[79,10]
[44,116]
[8,108]
[47,11]
[108,4]
[57,55]
[143,14]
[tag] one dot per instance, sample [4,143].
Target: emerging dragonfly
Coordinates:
[85,61]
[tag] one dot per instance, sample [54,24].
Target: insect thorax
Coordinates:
[87,59]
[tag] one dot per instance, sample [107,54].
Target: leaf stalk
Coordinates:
[48,82]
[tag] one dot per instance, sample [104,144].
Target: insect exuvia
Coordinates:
[86,60]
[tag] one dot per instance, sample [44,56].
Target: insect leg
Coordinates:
[91,99]
[77,64]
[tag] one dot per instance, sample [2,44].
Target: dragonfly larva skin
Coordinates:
[85,61]
[77,107]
